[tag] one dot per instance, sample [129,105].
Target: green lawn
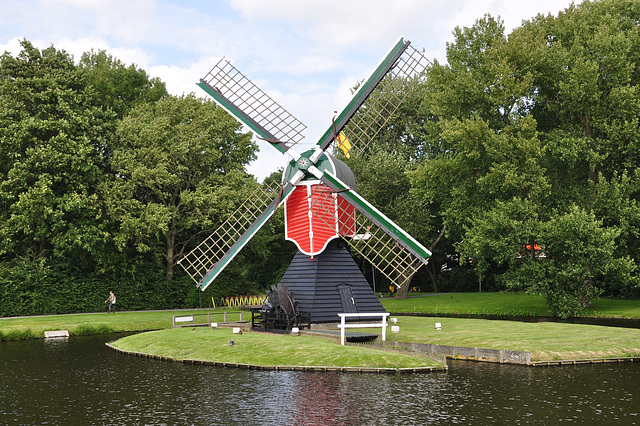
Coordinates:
[264,349]
[507,304]
[101,323]
[546,341]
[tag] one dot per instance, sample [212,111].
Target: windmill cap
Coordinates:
[327,162]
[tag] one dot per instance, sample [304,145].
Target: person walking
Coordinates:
[112,302]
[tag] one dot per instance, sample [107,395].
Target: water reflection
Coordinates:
[79,381]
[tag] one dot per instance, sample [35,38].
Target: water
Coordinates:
[80,381]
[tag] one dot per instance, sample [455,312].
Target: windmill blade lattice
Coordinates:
[203,257]
[252,106]
[376,111]
[392,250]
[370,241]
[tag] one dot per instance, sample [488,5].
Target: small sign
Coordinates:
[395,328]
[438,326]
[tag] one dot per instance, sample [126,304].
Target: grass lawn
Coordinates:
[102,323]
[264,349]
[507,304]
[547,341]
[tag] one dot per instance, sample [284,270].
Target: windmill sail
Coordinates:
[372,235]
[395,253]
[240,97]
[211,256]
[376,100]
[250,105]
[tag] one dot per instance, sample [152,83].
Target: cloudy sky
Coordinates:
[305,54]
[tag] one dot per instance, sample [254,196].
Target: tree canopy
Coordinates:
[105,180]
[515,161]
[538,134]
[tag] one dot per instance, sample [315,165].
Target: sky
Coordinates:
[306,54]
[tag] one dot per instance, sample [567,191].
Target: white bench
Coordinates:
[343,325]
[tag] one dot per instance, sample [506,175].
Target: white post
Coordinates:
[384,327]
[342,328]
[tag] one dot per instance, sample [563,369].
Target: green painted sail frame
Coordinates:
[245,238]
[363,92]
[377,217]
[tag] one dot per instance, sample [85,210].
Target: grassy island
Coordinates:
[547,341]
[264,349]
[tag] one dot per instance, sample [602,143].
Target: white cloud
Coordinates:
[12,46]
[183,80]
[306,54]
[124,20]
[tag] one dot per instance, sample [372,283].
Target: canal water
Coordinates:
[79,381]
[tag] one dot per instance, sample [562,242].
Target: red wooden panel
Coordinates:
[346,218]
[311,232]
[323,206]
[297,219]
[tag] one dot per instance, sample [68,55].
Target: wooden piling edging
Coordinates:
[587,361]
[499,356]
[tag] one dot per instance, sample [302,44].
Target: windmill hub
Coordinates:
[303,163]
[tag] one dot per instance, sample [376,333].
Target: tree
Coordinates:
[178,172]
[587,103]
[531,126]
[580,252]
[120,88]
[49,161]
[488,153]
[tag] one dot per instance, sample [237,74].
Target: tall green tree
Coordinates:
[488,152]
[587,103]
[178,172]
[120,88]
[531,126]
[50,164]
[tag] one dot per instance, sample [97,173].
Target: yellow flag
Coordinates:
[344,144]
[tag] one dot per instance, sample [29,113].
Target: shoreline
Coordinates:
[305,368]
[549,343]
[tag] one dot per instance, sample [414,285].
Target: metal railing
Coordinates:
[198,319]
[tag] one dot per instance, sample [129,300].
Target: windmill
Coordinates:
[323,211]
